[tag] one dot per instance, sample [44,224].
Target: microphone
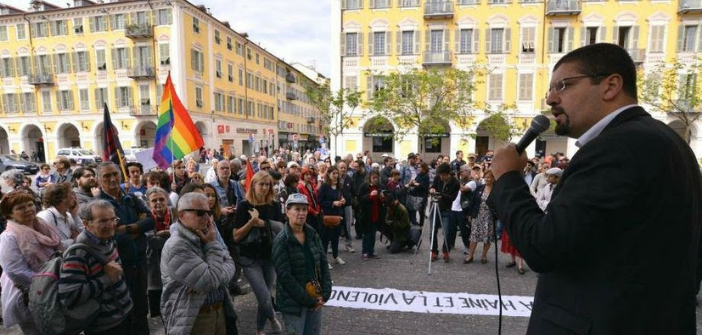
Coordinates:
[538,125]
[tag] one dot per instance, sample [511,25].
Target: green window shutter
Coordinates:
[417,42]
[602,34]
[457,41]
[92,24]
[370,44]
[634,44]
[118,97]
[114,59]
[551,40]
[388,43]
[398,42]
[569,31]
[583,36]
[447,40]
[476,41]
[615,35]
[680,37]
[342,44]
[97,98]
[488,38]
[359,44]
[427,41]
[508,40]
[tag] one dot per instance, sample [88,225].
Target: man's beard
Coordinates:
[563,129]
[87,187]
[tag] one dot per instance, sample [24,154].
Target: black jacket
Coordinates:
[596,249]
[448,191]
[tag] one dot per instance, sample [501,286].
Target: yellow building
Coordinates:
[519,42]
[59,66]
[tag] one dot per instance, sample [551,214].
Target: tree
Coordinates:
[331,106]
[673,89]
[424,100]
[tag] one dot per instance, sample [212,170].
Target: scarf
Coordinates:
[164,224]
[33,243]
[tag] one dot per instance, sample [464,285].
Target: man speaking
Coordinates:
[617,249]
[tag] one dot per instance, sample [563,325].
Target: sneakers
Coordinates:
[364,257]
[330,266]
[434,255]
[277,327]
[446,257]
[374,256]
[338,260]
[349,249]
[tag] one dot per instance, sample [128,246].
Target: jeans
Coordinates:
[412,217]
[261,276]
[447,229]
[348,221]
[423,213]
[369,239]
[331,235]
[137,282]
[308,323]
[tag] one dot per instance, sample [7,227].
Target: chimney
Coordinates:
[226,24]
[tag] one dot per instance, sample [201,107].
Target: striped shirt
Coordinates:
[83,278]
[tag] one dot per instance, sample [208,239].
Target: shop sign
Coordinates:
[378,134]
[246,131]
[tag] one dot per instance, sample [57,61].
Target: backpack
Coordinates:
[49,314]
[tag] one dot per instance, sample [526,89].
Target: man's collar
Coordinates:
[596,129]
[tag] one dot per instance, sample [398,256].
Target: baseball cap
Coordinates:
[554,171]
[296,199]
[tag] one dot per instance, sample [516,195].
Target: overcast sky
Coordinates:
[297,31]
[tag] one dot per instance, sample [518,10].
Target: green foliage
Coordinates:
[673,88]
[335,107]
[426,100]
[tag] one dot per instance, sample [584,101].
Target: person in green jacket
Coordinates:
[304,282]
[398,225]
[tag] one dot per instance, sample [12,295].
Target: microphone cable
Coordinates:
[497,276]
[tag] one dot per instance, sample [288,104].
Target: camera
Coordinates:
[435,197]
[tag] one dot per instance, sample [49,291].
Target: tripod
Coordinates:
[435,215]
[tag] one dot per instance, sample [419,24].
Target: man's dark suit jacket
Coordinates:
[616,252]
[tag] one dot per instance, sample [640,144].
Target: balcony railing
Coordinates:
[310,119]
[142,72]
[41,78]
[140,30]
[290,96]
[408,3]
[637,55]
[438,10]
[437,58]
[563,7]
[290,78]
[690,6]
[144,110]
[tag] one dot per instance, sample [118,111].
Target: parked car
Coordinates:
[130,154]
[9,162]
[80,155]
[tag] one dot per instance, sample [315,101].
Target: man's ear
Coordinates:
[614,84]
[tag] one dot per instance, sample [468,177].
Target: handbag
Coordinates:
[414,203]
[313,287]
[331,221]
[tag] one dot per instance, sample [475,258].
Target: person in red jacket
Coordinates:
[307,187]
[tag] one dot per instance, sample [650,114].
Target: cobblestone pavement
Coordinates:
[406,271]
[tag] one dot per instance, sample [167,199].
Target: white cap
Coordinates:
[293,163]
[554,172]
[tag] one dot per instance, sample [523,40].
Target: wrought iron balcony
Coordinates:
[637,55]
[41,78]
[689,6]
[142,72]
[139,30]
[442,9]
[443,58]
[563,7]
[144,110]
[290,96]
[310,119]
[290,78]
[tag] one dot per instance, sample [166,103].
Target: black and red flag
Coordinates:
[113,148]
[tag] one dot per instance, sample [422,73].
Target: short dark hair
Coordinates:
[602,59]
[190,187]
[291,180]
[79,172]
[137,164]
[443,168]
[459,152]
[359,162]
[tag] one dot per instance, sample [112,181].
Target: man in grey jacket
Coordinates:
[85,185]
[195,270]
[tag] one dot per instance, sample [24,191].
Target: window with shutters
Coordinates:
[496,39]
[82,61]
[241,77]
[8,68]
[196,25]
[271,89]
[9,102]
[29,105]
[121,60]
[98,23]
[623,39]
[495,87]
[408,42]
[560,39]
[164,53]
[378,4]
[408,3]
[197,61]
[198,97]
[124,97]
[65,100]
[351,43]
[466,41]
[118,22]
[218,68]
[590,35]
[42,63]
[656,39]
[46,101]
[250,108]
[23,66]
[353,4]
[59,28]
[240,106]
[230,46]
[257,86]
[62,63]
[101,97]
[436,44]
[377,84]
[239,49]
[84,99]
[164,16]
[40,29]
[144,96]
[3,33]
[688,38]
[218,40]
[687,87]
[351,83]
[230,72]
[218,101]
[21,31]
[526,86]
[379,43]
[249,79]
[528,39]
[78,26]
[100,61]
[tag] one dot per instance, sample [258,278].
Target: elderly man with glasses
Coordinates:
[195,270]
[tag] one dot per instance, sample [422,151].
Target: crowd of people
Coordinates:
[178,242]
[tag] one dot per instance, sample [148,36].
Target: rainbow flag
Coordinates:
[176,134]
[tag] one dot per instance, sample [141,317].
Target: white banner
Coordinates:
[388,299]
[145,158]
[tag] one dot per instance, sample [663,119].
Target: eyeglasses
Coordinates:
[562,84]
[105,222]
[198,212]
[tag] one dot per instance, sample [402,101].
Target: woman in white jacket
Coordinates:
[62,212]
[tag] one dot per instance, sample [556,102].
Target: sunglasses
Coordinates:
[198,212]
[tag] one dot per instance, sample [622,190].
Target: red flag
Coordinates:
[113,148]
[249,175]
